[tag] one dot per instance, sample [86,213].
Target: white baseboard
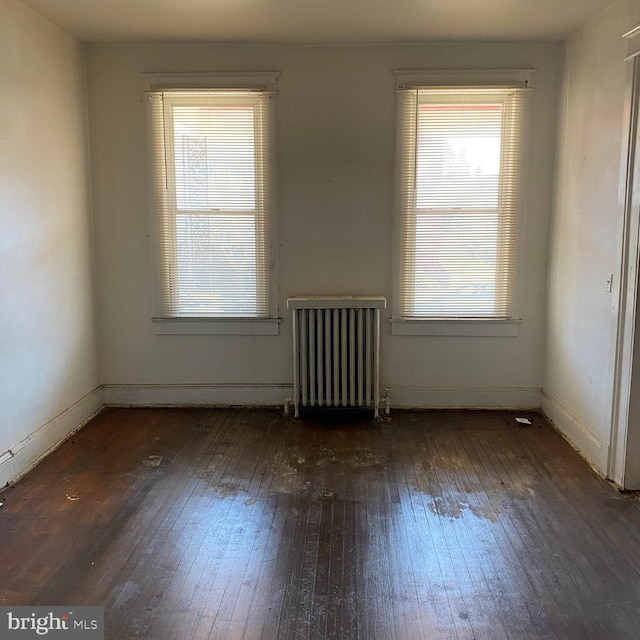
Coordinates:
[410,397]
[210,395]
[232,394]
[577,433]
[24,455]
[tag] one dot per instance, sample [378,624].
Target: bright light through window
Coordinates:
[212,179]
[459,192]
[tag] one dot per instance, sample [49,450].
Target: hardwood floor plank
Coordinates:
[501,573]
[336,578]
[491,609]
[515,544]
[239,580]
[251,526]
[451,563]
[424,547]
[174,520]
[407,570]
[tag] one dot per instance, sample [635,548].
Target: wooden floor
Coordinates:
[229,524]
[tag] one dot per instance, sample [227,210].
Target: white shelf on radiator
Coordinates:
[336,302]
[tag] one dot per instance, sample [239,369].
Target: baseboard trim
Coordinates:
[208,395]
[26,454]
[587,443]
[412,397]
[238,394]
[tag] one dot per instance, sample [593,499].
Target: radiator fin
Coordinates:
[336,353]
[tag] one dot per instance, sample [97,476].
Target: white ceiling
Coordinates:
[318,21]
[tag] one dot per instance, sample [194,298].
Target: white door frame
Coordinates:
[624,311]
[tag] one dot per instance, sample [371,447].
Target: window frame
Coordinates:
[210,324]
[491,327]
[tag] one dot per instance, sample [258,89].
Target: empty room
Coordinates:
[317,319]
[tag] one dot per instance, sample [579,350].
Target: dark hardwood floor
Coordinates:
[229,524]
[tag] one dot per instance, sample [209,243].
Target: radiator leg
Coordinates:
[386,401]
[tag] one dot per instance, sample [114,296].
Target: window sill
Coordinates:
[455,327]
[217,326]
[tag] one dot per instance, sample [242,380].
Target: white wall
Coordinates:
[48,362]
[336,121]
[585,239]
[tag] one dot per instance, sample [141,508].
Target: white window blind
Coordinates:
[212,177]
[458,187]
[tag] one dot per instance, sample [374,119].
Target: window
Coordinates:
[213,179]
[459,157]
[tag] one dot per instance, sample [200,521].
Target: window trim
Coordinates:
[414,78]
[263,81]
[258,80]
[452,78]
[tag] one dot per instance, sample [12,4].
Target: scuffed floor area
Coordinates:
[230,524]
